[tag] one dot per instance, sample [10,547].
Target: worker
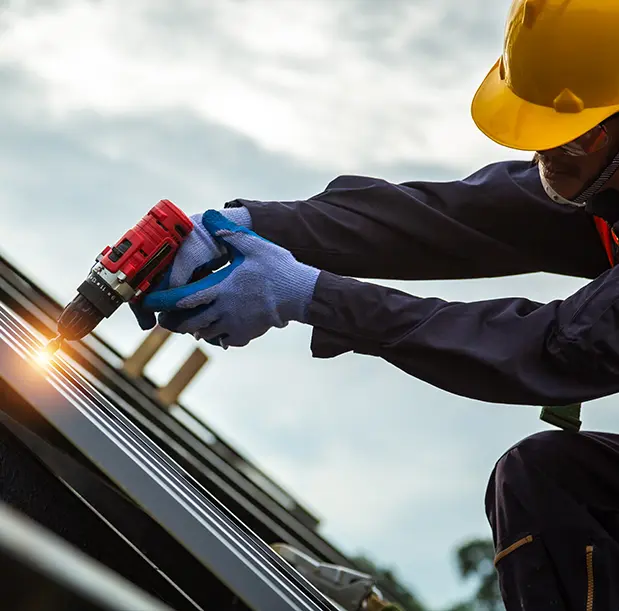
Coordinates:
[553,498]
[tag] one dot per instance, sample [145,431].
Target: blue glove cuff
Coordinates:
[297,291]
[239,215]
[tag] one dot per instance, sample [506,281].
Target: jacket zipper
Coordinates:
[590,585]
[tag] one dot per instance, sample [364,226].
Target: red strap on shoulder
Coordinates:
[606,237]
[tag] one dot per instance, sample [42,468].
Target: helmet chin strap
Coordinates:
[588,193]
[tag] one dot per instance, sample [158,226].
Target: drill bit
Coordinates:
[54,344]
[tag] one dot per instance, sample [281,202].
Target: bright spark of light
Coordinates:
[43,358]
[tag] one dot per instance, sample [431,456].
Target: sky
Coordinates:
[109,106]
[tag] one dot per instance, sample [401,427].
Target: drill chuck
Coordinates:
[78,319]
[95,300]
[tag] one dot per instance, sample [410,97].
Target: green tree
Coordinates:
[475,560]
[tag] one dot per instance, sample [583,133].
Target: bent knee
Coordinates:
[550,452]
[541,446]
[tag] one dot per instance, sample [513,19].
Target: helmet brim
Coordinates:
[515,123]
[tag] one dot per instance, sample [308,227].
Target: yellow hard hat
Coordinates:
[558,76]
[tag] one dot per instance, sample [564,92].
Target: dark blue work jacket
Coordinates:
[496,222]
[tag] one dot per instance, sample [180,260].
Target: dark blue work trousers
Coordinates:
[553,504]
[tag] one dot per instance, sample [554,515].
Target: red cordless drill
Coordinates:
[124,271]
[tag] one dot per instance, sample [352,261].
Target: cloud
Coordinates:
[333,84]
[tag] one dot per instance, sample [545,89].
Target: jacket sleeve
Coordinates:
[504,351]
[496,222]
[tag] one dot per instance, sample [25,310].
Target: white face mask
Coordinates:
[588,193]
[552,194]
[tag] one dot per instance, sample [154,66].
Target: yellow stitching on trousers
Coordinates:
[512,547]
[590,578]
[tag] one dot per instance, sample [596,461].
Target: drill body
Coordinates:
[124,271]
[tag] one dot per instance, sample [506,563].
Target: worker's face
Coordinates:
[569,174]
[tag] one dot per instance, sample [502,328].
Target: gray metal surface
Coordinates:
[237,478]
[36,564]
[99,429]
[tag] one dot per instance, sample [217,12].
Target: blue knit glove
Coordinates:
[263,287]
[198,254]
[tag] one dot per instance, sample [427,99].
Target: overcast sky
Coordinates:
[108,106]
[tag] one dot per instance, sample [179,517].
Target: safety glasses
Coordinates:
[590,142]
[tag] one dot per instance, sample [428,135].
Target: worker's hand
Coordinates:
[263,287]
[197,255]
